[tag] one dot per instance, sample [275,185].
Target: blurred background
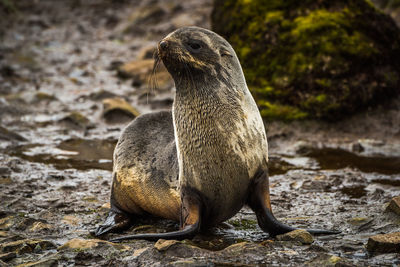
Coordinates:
[326,78]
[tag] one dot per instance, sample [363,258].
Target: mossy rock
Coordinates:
[312,59]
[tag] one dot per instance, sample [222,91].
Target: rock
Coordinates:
[147,52]
[48,262]
[142,73]
[162,244]
[297,235]
[9,135]
[385,243]
[101,95]
[5,171]
[42,96]
[71,220]
[358,221]
[40,226]
[6,181]
[327,260]
[394,205]
[299,57]
[7,222]
[83,244]
[117,110]
[26,246]
[136,69]
[8,256]
[75,120]
[138,252]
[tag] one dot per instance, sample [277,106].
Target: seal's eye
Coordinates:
[194,46]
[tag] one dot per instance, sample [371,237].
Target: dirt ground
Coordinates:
[60,66]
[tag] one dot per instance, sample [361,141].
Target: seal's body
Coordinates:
[207,160]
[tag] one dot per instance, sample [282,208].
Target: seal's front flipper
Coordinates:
[191,211]
[115,222]
[259,201]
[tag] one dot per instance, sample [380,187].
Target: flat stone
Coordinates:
[38,226]
[6,222]
[141,71]
[8,256]
[163,245]
[75,120]
[136,68]
[26,246]
[297,235]
[83,244]
[116,110]
[358,221]
[42,263]
[394,205]
[9,135]
[6,181]
[385,243]
[71,220]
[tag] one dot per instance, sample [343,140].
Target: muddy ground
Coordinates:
[59,64]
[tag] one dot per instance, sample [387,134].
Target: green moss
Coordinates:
[282,112]
[311,58]
[244,224]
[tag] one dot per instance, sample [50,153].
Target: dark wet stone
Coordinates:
[26,246]
[385,243]
[9,135]
[75,120]
[8,256]
[394,205]
[47,262]
[101,95]
[4,171]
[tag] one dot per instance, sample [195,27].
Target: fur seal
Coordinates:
[200,163]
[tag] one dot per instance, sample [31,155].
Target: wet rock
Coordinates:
[147,52]
[117,110]
[162,244]
[142,73]
[357,221]
[75,120]
[297,235]
[101,95]
[7,222]
[26,246]
[42,96]
[6,181]
[385,243]
[394,205]
[8,256]
[136,68]
[4,171]
[71,220]
[49,262]
[273,45]
[84,244]
[40,226]
[9,135]
[327,260]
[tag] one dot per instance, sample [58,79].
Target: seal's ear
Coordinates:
[224,52]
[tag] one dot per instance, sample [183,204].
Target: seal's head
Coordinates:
[193,52]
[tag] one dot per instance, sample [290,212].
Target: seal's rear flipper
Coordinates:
[259,202]
[187,232]
[115,222]
[190,221]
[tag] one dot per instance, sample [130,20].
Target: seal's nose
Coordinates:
[163,45]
